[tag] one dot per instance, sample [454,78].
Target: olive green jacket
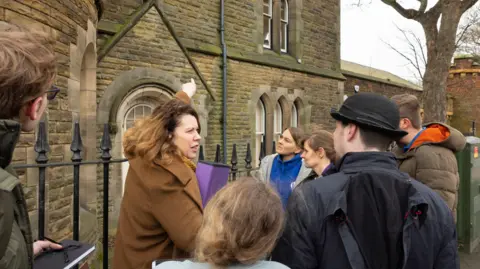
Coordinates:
[16,243]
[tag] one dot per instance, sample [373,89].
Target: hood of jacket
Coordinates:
[9,134]
[439,134]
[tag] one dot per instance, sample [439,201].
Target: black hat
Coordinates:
[372,111]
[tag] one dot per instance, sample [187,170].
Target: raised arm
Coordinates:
[188,90]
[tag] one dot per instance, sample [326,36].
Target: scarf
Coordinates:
[189,163]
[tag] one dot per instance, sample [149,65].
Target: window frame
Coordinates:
[270,24]
[132,110]
[284,27]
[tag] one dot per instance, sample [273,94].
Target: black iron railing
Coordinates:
[42,162]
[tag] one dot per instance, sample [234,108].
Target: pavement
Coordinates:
[470,261]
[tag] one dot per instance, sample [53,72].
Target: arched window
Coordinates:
[260,120]
[137,112]
[284,26]
[294,119]
[138,104]
[277,122]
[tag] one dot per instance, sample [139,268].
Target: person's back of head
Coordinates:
[410,114]
[27,73]
[241,224]
[366,122]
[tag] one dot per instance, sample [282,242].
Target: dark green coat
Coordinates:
[16,244]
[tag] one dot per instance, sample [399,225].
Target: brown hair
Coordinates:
[151,138]
[27,67]
[409,107]
[241,224]
[297,134]
[322,139]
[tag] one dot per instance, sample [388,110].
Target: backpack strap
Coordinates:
[6,213]
[352,249]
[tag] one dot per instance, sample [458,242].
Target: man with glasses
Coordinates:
[27,73]
[427,153]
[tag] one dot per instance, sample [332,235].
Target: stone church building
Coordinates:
[119,59]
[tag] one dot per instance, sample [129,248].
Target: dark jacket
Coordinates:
[320,234]
[16,244]
[330,169]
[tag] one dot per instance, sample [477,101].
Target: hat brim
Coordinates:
[392,133]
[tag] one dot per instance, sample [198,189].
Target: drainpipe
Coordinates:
[224,67]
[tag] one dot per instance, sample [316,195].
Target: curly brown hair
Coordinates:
[151,138]
[241,224]
[27,67]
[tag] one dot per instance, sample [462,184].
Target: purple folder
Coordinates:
[211,178]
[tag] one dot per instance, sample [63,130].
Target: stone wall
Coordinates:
[321,33]
[148,56]
[65,20]
[464,85]
[366,85]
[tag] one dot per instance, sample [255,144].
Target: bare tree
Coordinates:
[440,24]
[468,37]
[415,52]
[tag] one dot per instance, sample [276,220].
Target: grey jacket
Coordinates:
[263,173]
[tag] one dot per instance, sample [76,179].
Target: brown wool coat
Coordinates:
[431,160]
[160,214]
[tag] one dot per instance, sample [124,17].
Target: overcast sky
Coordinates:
[364,29]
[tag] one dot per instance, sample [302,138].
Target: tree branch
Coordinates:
[407,13]
[468,36]
[423,6]
[466,4]
[420,44]
[434,12]
[413,60]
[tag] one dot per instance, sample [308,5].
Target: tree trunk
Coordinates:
[434,92]
[440,49]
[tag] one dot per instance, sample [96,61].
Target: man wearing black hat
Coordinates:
[369,214]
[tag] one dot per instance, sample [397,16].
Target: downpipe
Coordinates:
[224,67]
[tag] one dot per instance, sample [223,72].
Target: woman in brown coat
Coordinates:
[161,209]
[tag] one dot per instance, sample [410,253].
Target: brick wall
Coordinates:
[464,85]
[61,19]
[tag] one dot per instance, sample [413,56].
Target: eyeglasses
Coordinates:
[52,93]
